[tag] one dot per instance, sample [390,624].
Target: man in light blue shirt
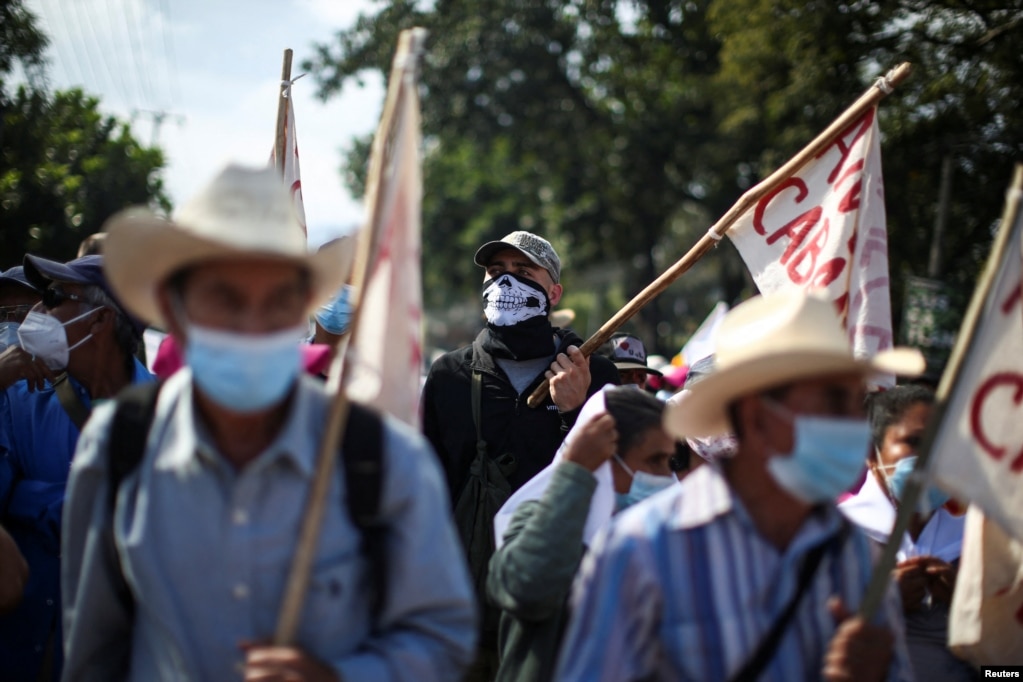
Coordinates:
[747,570]
[180,574]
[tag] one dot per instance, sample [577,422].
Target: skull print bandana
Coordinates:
[517,325]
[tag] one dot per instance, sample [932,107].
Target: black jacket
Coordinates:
[532,435]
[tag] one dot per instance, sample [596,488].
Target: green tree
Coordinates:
[621,130]
[64,166]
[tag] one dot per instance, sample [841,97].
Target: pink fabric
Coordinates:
[315,358]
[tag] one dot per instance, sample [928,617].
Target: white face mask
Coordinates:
[44,337]
[8,334]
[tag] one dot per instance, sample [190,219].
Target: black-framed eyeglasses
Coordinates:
[15,313]
[54,297]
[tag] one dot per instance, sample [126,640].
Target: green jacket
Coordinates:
[531,575]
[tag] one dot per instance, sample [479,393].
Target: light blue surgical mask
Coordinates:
[897,480]
[643,486]
[8,334]
[828,455]
[244,372]
[335,315]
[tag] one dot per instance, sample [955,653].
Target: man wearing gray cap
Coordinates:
[497,431]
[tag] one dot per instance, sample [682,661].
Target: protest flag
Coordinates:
[985,623]
[386,206]
[824,228]
[747,202]
[972,444]
[701,343]
[384,361]
[977,450]
[284,156]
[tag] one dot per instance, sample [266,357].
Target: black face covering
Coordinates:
[517,325]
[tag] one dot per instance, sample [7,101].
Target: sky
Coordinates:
[214,68]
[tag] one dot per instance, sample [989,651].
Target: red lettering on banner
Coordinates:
[758,212]
[851,201]
[812,251]
[858,129]
[998,380]
[1013,300]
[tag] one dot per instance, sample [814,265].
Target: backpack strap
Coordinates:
[136,407]
[765,651]
[362,455]
[70,401]
[477,400]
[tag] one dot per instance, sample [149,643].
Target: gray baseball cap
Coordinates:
[537,249]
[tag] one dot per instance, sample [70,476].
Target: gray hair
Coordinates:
[124,331]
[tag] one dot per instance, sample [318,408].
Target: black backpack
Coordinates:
[361,452]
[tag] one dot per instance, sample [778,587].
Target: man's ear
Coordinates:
[169,314]
[555,295]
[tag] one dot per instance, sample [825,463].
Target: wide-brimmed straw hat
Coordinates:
[242,213]
[770,341]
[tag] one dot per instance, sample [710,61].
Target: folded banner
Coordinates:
[291,172]
[986,620]
[386,352]
[825,228]
[978,447]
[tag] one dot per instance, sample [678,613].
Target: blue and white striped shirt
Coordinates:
[683,587]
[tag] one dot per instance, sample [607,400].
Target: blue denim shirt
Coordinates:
[205,550]
[37,441]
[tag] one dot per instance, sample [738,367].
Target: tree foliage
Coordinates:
[64,166]
[621,130]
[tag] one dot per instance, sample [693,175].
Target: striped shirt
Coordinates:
[683,587]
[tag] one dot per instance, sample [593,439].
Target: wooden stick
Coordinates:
[409,46]
[950,380]
[748,200]
[281,138]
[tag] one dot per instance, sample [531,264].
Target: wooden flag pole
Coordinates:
[297,586]
[950,378]
[282,113]
[870,98]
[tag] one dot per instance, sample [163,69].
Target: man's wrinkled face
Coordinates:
[514,261]
[254,296]
[830,396]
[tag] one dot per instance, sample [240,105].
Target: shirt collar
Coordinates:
[706,496]
[186,439]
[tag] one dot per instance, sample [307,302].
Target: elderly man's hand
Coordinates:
[859,652]
[570,379]
[16,364]
[594,443]
[267,663]
[13,573]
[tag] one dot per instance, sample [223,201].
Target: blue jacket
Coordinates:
[37,441]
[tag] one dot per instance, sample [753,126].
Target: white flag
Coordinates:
[386,351]
[701,343]
[292,174]
[978,449]
[985,625]
[825,228]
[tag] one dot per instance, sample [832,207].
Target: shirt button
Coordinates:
[241,591]
[49,602]
[240,517]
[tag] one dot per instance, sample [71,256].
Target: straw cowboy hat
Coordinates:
[242,213]
[769,341]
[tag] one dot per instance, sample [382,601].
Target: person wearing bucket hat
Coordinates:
[748,570]
[510,357]
[212,508]
[75,350]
